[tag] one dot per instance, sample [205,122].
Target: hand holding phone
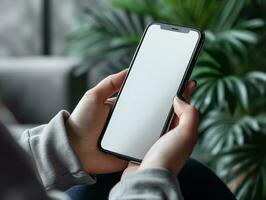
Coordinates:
[86,122]
[172,149]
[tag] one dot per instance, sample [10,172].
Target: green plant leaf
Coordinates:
[223,131]
[251,24]
[229,13]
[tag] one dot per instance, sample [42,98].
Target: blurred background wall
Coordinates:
[22,28]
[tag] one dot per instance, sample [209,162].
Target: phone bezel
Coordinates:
[180,90]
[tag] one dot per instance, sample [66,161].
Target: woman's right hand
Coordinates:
[173,149]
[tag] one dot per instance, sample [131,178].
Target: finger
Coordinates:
[114,164]
[186,129]
[110,85]
[187,114]
[131,168]
[110,101]
[133,164]
[190,86]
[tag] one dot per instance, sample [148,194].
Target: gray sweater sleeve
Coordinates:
[53,158]
[58,168]
[157,184]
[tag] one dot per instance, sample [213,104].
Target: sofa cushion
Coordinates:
[36,88]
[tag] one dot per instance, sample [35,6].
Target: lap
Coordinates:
[199,182]
[196,181]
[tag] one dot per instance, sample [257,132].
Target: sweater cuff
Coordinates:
[55,161]
[154,183]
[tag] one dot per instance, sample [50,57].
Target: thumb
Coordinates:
[110,85]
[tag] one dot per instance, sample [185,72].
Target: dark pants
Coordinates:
[196,181]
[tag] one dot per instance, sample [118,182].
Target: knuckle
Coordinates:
[193,110]
[92,95]
[109,78]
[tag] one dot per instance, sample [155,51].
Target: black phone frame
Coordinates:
[196,51]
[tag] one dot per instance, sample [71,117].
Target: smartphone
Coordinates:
[161,65]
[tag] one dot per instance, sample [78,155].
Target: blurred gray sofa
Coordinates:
[34,89]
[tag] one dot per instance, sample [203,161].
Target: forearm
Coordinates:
[53,158]
[148,184]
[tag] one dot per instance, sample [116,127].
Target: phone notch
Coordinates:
[175,28]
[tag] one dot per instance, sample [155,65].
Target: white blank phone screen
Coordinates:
[141,111]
